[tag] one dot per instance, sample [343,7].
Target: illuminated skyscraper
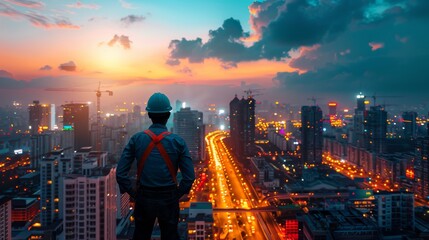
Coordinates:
[235,123]
[189,125]
[375,129]
[312,134]
[358,122]
[242,125]
[332,108]
[76,117]
[39,117]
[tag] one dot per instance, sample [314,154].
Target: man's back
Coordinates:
[159,155]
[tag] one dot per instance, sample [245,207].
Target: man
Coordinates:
[159,155]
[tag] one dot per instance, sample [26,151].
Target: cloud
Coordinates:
[375,46]
[126,4]
[130,19]
[26,3]
[123,40]
[225,43]
[37,19]
[228,65]
[186,70]
[172,62]
[79,4]
[68,66]
[5,74]
[46,68]
[190,49]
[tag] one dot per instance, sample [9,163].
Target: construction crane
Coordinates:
[98,93]
[250,92]
[314,100]
[374,98]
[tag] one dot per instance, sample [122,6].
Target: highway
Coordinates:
[229,189]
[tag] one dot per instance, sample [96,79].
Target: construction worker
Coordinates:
[159,155]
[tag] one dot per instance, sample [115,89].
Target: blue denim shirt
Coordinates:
[155,172]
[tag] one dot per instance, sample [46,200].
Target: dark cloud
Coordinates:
[172,62]
[339,47]
[187,49]
[68,66]
[130,19]
[5,74]
[123,40]
[37,19]
[225,43]
[27,3]
[228,65]
[46,68]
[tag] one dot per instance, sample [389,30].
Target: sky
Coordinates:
[206,51]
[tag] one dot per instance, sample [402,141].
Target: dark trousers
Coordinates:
[152,203]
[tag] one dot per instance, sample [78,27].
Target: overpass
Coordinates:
[295,196]
[256,210]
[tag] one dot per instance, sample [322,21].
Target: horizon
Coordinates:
[135,48]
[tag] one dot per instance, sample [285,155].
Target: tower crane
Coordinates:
[98,93]
[314,100]
[250,93]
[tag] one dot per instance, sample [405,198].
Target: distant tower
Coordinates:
[358,122]
[235,123]
[375,130]
[76,117]
[242,125]
[332,108]
[178,105]
[39,117]
[410,124]
[189,125]
[312,134]
[248,106]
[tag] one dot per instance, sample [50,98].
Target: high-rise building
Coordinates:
[358,135]
[24,209]
[200,221]
[89,204]
[375,130]
[53,167]
[394,210]
[332,108]
[43,143]
[189,125]
[235,125]
[5,218]
[242,125]
[312,134]
[76,117]
[39,117]
[421,166]
[409,125]
[248,106]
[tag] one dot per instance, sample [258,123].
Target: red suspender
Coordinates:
[156,141]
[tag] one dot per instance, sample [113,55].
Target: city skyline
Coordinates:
[138,47]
